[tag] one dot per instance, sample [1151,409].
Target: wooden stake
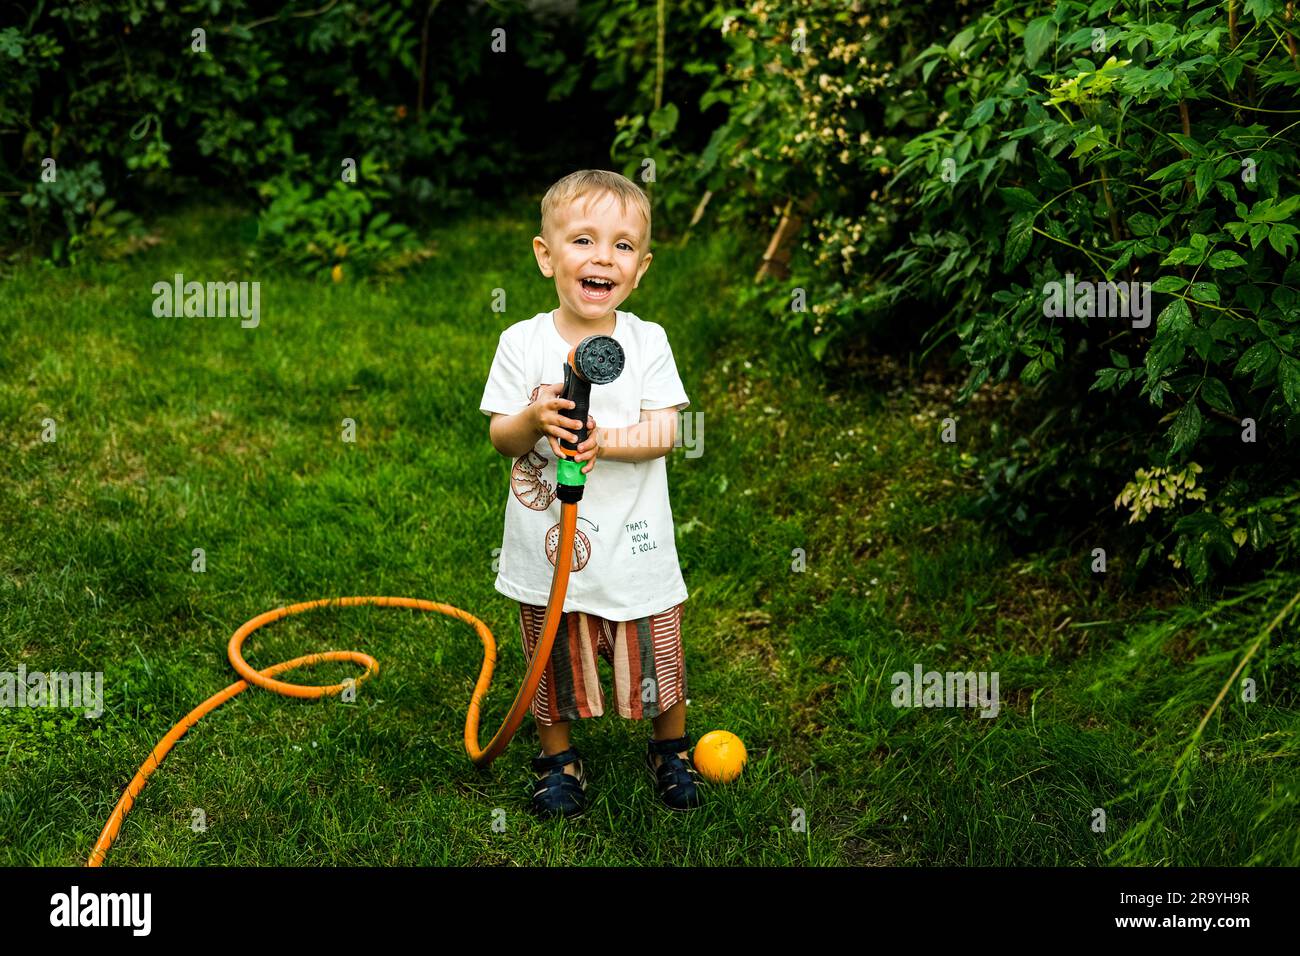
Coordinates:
[777,238]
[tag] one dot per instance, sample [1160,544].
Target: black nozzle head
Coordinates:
[599,359]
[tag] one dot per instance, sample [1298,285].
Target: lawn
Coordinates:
[182,433]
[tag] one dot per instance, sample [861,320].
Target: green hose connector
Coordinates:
[568,472]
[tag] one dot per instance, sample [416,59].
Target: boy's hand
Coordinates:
[550,420]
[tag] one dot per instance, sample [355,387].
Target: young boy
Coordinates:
[625,593]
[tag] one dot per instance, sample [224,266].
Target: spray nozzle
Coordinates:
[596,360]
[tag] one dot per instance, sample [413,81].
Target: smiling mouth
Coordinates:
[596,289]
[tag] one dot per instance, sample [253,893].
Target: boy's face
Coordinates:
[594,239]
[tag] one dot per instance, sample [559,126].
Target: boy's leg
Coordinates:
[650,672]
[558,700]
[671,722]
[555,739]
[670,725]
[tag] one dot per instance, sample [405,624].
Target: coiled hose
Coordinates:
[266,678]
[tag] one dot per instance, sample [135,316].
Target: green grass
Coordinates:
[175,434]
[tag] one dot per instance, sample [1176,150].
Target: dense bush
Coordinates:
[954,169]
[322,230]
[133,105]
[1140,143]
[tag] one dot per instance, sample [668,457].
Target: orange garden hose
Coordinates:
[266,678]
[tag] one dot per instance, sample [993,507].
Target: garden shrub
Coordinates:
[135,106]
[954,165]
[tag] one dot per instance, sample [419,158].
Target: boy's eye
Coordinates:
[622,245]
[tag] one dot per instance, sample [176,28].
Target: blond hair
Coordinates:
[590,182]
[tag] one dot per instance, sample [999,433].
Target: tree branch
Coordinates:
[265,20]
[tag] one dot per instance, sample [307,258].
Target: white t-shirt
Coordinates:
[625,552]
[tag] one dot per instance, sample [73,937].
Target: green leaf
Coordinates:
[1215,394]
[1204,179]
[1143,224]
[1268,177]
[1259,530]
[1282,238]
[1019,237]
[1192,146]
[1079,40]
[1166,351]
[1186,427]
[1204,534]
[1168,284]
[1105,380]
[1161,79]
[1050,173]
[1181,255]
[664,120]
[818,346]
[710,155]
[1176,317]
[1232,67]
[1094,137]
[1201,340]
[1251,296]
[1226,259]
[1038,36]
[1019,199]
[961,41]
[1288,374]
[714,96]
[1177,168]
[981,113]
[1259,356]
[11,43]
[1261,10]
[1195,560]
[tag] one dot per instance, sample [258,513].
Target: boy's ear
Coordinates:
[641,269]
[543,255]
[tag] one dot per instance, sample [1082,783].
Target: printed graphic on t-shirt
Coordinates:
[526,476]
[536,493]
[526,481]
[642,541]
[581,548]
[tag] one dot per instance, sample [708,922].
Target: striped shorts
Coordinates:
[646,655]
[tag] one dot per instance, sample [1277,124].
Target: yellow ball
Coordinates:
[720,756]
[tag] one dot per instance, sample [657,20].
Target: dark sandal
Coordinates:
[558,793]
[677,779]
